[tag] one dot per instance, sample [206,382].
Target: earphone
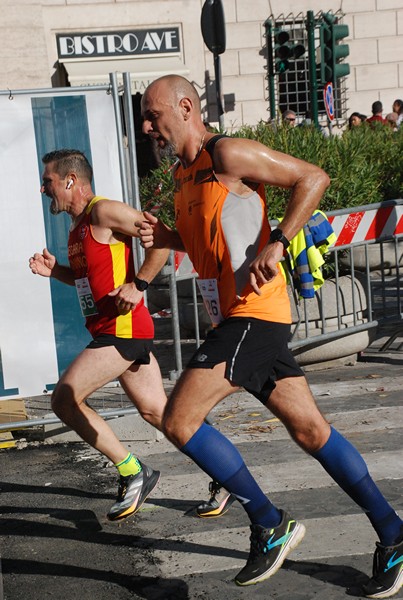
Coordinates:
[70,183]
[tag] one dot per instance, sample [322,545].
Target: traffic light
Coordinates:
[332,52]
[213,26]
[284,50]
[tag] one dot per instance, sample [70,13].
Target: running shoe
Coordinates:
[269,548]
[387,572]
[219,503]
[132,493]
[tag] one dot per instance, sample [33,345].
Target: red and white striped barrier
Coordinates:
[350,228]
[366,225]
[183,266]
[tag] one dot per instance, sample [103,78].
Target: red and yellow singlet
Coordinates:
[98,269]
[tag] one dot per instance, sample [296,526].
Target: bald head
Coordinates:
[171,113]
[174,88]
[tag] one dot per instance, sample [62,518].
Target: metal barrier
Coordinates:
[363,294]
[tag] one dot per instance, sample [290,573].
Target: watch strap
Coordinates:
[276,235]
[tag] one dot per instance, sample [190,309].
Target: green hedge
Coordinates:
[365,166]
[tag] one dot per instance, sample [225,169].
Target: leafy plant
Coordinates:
[364,166]
[156,192]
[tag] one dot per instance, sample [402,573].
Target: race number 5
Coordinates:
[85,297]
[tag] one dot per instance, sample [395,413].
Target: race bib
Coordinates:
[85,297]
[209,291]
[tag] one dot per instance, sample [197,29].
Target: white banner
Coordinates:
[29,359]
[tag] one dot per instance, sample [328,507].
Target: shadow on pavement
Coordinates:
[152,588]
[341,575]
[18,488]
[28,528]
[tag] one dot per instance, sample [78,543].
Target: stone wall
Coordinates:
[28,52]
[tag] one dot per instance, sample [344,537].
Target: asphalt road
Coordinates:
[57,543]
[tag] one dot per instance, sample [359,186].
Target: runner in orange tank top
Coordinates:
[221,224]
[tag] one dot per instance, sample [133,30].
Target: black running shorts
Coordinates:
[136,350]
[256,354]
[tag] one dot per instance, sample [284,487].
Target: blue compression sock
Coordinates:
[215,454]
[347,467]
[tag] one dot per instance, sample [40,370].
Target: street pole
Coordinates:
[313,82]
[219,97]
[270,68]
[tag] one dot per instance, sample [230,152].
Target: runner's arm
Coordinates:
[240,160]
[155,259]
[46,265]
[154,233]
[240,163]
[117,217]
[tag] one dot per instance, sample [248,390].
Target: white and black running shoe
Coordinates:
[218,504]
[133,492]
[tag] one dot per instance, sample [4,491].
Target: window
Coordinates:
[291,76]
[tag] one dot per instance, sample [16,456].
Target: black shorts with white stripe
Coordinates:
[255,352]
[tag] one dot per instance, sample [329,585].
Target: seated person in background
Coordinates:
[377,117]
[398,108]
[356,119]
[391,119]
[289,117]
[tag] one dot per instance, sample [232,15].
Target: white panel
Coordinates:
[26,324]
[104,147]
[27,339]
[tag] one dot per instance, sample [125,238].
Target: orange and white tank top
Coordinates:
[222,233]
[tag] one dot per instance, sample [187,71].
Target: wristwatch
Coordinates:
[276,235]
[141,284]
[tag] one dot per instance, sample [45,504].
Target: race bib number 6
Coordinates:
[85,297]
[209,291]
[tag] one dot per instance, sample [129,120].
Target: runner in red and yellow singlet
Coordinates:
[110,295]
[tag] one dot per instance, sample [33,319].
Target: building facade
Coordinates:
[53,43]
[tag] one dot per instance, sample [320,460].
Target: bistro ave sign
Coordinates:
[118,43]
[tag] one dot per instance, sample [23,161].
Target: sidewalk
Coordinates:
[56,541]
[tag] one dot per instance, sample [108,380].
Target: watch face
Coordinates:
[276,235]
[141,285]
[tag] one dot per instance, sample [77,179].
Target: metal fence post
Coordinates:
[173,295]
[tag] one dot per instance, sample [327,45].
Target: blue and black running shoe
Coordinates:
[269,548]
[387,572]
